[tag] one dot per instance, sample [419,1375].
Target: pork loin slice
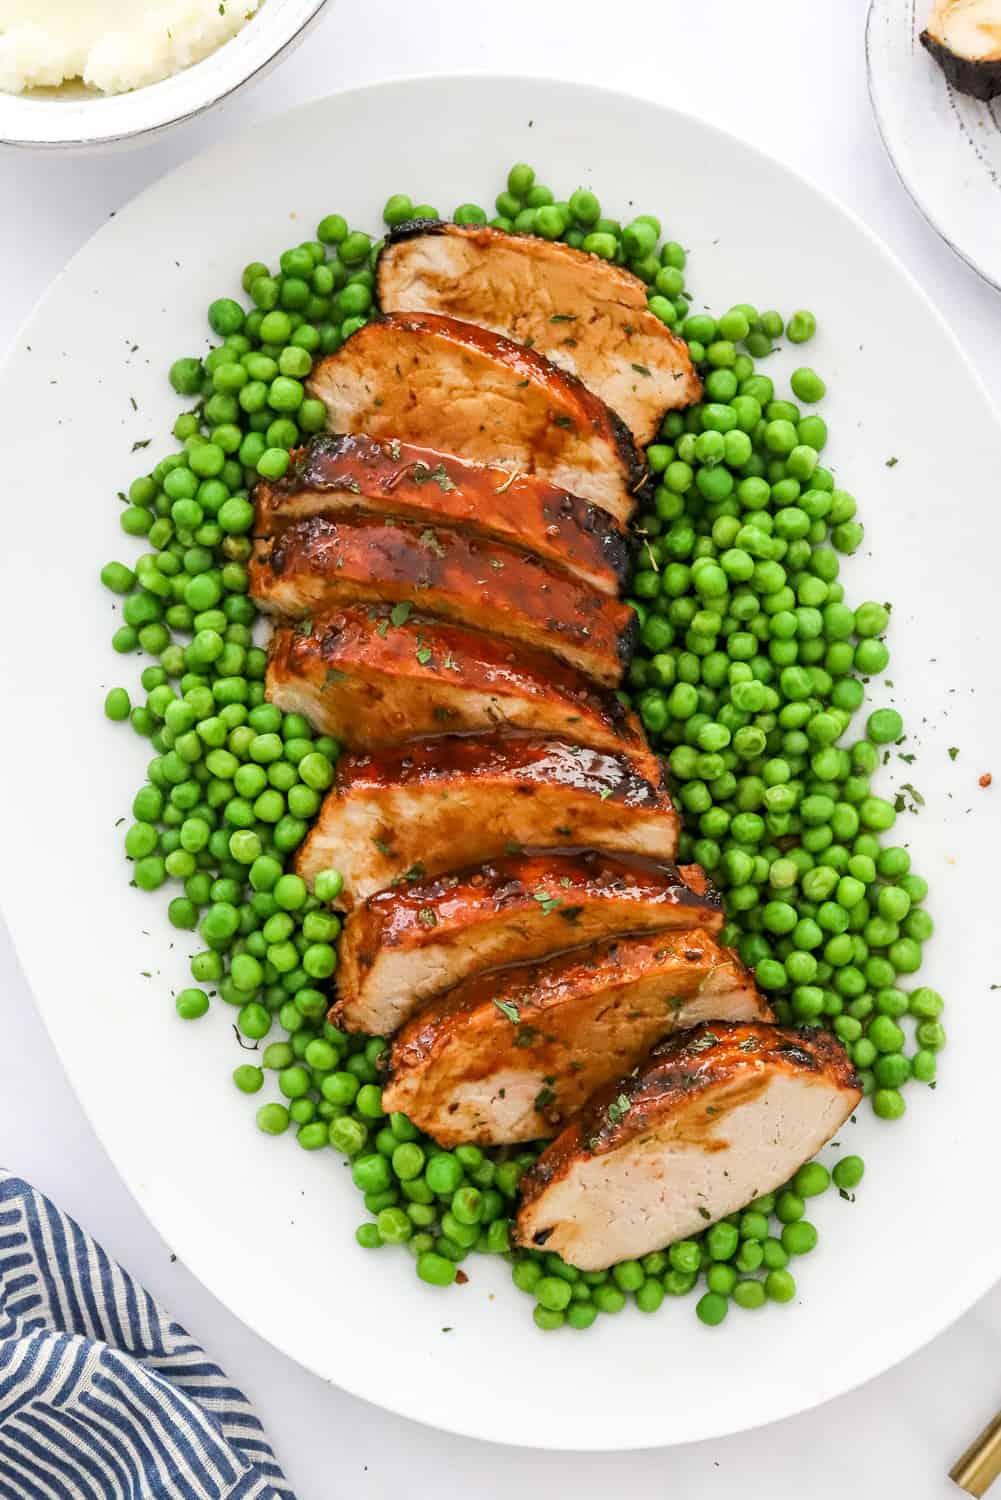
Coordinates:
[425,379]
[407,944]
[513,1055]
[375,677]
[350,474]
[714,1118]
[323,562]
[588,316]
[435,805]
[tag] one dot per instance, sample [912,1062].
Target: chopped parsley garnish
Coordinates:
[384,849]
[605,793]
[642,370]
[424,655]
[509,1009]
[548,903]
[544,1098]
[953,751]
[438,475]
[427,917]
[400,613]
[562,420]
[563,318]
[618,1109]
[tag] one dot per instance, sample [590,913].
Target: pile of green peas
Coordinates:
[750,669]
[748,703]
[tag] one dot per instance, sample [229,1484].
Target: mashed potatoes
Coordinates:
[113,45]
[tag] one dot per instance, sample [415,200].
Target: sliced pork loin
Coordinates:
[374,677]
[714,1118]
[425,379]
[404,945]
[585,314]
[434,805]
[324,562]
[513,1055]
[358,474]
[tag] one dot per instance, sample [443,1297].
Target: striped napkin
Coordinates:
[102,1395]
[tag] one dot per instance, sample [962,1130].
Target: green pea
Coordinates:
[884,726]
[608,1299]
[848,1173]
[712,1308]
[436,1270]
[191,1004]
[801,327]
[780,1286]
[812,1179]
[806,383]
[273,1119]
[248,1079]
[888,1104]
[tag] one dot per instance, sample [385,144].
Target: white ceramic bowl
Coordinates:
[76,120]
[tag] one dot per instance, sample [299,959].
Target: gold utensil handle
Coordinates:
[980,1465]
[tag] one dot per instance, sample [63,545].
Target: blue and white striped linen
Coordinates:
[102,1395]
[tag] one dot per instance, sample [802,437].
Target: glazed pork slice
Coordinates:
[585,314]
[434,805]
[513,1055]
[375,677]
[405,945]
[714,1118]
[323,562]
[425,379]
[347,474]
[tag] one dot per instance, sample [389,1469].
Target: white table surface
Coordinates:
[790,76]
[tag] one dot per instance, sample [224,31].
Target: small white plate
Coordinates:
[945,146]
[268,1227]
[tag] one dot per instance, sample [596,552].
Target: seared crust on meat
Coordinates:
[513,1055]
[426,379]
[429,806]
[404,945]
[714,1118]
[338,474]
[585,314]
[371,683]
[964,38]
[323,563]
